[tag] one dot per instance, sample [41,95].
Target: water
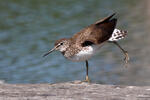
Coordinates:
[29,28]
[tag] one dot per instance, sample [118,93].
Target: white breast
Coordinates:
[84,54]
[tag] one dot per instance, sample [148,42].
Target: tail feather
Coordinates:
[117,35]
[106,19]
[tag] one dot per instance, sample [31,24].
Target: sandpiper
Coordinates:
[84,44]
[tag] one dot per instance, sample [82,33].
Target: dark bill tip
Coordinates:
[49,52]
[46,54]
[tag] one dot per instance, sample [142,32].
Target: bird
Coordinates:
[87,42]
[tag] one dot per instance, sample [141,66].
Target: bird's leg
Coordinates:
[87,77]
[87,69]
[126,59]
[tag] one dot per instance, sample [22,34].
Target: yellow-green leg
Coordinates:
[125,52]
[87,79]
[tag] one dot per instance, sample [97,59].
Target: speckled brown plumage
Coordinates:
[96,33]
[82,45]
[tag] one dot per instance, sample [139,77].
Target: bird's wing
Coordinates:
[96,33]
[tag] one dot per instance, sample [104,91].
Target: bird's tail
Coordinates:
[117,35]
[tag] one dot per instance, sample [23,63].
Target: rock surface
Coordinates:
[72,91]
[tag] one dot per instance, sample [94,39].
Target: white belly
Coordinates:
[85,53]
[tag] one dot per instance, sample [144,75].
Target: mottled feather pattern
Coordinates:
[117,35]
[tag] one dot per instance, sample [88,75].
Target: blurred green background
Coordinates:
[29,28]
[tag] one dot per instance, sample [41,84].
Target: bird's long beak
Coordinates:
[49,51]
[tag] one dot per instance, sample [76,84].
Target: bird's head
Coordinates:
[60,45]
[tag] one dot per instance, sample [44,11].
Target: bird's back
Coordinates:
[96,33]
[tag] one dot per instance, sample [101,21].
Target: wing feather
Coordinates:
[96,33]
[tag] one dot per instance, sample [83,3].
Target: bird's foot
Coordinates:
[87,79]
[126,59]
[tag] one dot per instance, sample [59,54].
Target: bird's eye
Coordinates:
[61,43]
